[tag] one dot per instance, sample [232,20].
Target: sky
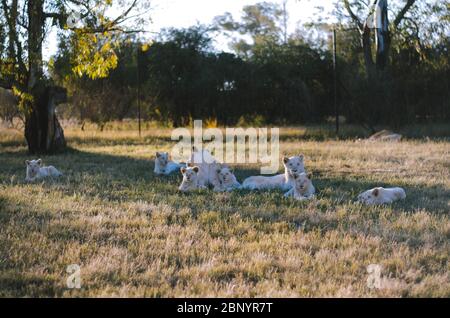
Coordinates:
[185,13]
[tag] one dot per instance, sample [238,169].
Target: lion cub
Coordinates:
[283,181]
[207,165]
[190,179]
[381,195]
[164,166]
[36,171]
[227,179]
[303,188]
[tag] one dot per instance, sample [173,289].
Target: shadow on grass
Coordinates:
[121,175]
[12,143]
[117,179]
[125,141]
[14,284]
[112,180]
[434,199]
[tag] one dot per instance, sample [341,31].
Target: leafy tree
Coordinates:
[178,73]
[98,99]
[391,52]
[26,23]
[262,22]
[370,16]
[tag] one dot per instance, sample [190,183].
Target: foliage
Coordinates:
[409,89]
[262,22]
[94,56]
[283,80]
[93,35]
[96,98]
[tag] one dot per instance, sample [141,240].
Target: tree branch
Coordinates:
[53,15]
[372,9]
[102,30]
[80,3]
[107,26]
[402,12]
[124,14]
[353,15]
[11,18]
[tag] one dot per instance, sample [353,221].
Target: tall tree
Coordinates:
[370,16]
[264,22]
[28,23]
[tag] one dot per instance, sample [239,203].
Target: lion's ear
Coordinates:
[218,170]
[27,162]
[301,156]
[375,192]
[310,176]
[39,161]
[285,159]
[195,169]
[183,170]
[158,154]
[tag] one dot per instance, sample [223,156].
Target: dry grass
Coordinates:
[134,235]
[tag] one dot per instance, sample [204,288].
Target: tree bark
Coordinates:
[382,35]
[43,131]
[35,39]
[366,39]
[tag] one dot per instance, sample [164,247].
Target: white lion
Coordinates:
[227,179]
[284,181]
[207,165]
[190,179]
[36,171]
[381,195]
[164,166]
[303,187]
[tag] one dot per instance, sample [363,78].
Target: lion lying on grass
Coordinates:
[283,181]
[35,171]
[381,195]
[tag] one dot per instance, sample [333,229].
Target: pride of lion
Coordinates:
[202,171]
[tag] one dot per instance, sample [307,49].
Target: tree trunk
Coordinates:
[375,69]
[43,132]
[35,39]
[382,35]
[379,79]
[366,39]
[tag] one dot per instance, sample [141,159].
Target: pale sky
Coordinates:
[185,13]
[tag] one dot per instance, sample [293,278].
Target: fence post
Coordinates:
[138,89]
[336,106]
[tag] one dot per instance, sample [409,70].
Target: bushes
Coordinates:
[182,78]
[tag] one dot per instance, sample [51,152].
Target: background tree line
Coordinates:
[182,77]
[270,76]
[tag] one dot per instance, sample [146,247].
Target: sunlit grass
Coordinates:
[133,234]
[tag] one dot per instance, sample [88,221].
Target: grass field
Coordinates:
[133,234]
